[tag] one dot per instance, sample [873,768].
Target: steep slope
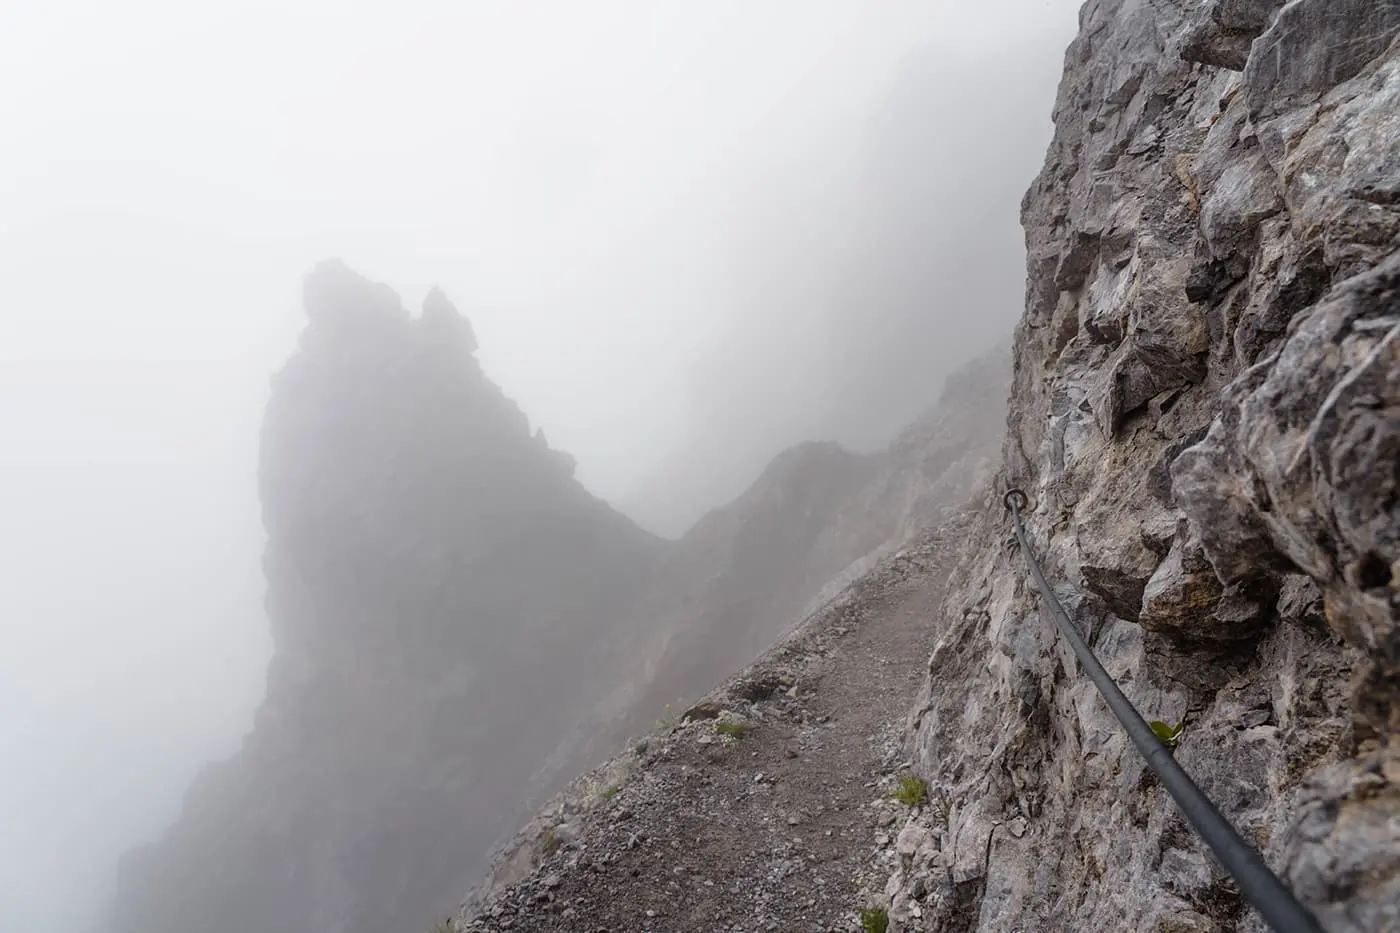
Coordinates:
[758,810]
[878,508]
[1206,415]
[443,596]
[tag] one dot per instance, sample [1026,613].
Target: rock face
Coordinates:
[441,592]
[1206,416]
[460,627]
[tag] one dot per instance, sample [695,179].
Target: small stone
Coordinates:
[911,838]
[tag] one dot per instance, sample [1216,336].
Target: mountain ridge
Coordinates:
[1205,417]
[453,614]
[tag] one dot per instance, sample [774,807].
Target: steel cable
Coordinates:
[1260,886]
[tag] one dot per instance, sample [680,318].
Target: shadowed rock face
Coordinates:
[460,627]
[1205,413]
[442,594]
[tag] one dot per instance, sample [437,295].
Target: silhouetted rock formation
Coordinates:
[460,627]
[444,596]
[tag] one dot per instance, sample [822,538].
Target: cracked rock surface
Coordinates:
[1206,417]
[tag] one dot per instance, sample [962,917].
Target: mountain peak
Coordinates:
[442,321]
[334,291]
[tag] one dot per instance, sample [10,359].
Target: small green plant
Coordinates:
[731,728]
[912,791]
[1168,734]
[874,919]
[668,720]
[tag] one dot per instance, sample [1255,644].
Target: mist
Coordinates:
[687,236]
[858,282]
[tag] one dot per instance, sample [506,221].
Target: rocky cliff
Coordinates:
[1205,413]
[460,627]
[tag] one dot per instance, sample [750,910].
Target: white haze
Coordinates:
[633,202]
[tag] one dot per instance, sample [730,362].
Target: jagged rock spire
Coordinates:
[442,320]
[332,290]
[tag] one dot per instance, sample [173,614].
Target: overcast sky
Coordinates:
[632,201]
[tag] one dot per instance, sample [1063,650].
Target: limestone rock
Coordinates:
[1224,532]
[911,839]
[1304,457]
[1224,35]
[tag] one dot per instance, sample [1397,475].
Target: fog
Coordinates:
[686,235]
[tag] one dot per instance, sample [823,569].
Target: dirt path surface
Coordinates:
[767,807]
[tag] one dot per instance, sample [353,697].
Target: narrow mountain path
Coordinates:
[768,805]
